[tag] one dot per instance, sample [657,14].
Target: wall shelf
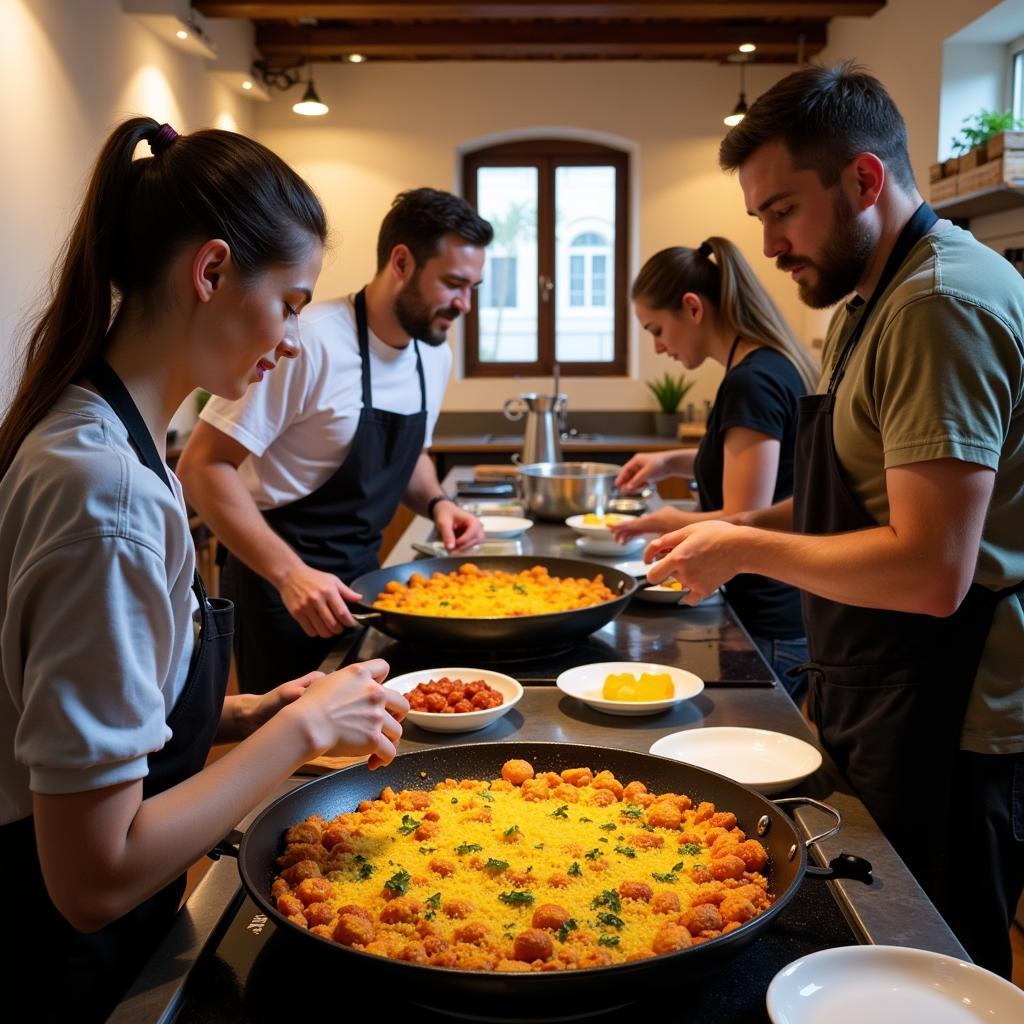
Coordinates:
[994,199]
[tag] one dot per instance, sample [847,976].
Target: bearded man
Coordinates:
[904,530]
[299,477]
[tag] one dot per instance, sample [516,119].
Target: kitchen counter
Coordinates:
[893,910]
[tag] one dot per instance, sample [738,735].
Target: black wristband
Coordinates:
[432,504]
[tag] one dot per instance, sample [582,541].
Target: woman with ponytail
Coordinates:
[185,268]
[706,303]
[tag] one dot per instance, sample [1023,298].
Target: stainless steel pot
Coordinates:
[556,490]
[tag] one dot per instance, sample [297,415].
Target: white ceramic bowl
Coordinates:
[595,532]
[766,761]
[464,721]
[586,682]
[604,548]
[504,527]
[889,985]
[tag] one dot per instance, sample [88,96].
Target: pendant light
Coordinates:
[740,110]
[311,105]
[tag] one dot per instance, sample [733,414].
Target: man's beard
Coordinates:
[841,263]
[416,317]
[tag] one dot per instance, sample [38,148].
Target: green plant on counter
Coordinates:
[202,397]
[670,391]
[982,126]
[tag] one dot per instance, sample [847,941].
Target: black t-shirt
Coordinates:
[761,392]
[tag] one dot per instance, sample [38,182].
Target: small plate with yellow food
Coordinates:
[629,687]
[669,592]
[595,526]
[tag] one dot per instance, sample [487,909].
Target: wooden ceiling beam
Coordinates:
[513,40]
[408,10]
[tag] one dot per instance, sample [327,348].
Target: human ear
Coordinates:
[865,179]
[209,264]
[692,307]
[402,262]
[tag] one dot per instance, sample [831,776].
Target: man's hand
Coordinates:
[701,557]
[316,600]
[457,528]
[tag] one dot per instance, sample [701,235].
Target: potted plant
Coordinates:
[970,145]
[669,391]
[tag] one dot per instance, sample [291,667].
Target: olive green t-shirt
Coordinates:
[939,374]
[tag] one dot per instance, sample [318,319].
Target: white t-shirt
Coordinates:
[299,421]
[96,607]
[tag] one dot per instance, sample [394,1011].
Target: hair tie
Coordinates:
[705,250]
[162,139]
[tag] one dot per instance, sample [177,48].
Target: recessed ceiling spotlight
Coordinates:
[747,47]
[355,58]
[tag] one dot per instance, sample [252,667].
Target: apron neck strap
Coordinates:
[363,331]
[913,231]
[732,353]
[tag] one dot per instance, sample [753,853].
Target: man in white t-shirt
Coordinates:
[299,477]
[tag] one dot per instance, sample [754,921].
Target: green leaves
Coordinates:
[670,391]
[523,898]
[399,882]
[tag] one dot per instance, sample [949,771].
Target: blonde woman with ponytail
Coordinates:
[706,303]
[184,269]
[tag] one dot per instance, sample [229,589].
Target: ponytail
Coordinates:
[134,219]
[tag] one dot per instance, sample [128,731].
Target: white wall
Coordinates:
[396,126]
[973,77]
[69,71]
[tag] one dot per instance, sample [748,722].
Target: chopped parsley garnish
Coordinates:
[365,870]
[495,865]
[430,915]
[586,821]
[487,797]
[632,811]
[611,920]
[626,851]
[515,898]
[399,882]
[409,825]
[539,846]
[513,831]
[468,848]
[434,902]
[593,854]
[568,926]
[609,898]
[519,588]
[427,849]
[679,866]
[575,870]
[359,858]
[603,839]
[646,827]
[608,940]
[455,799]
[664,876]
[561,812]
[610,827]
[690,848]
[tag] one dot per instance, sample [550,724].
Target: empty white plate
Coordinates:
[766,761]
[636,567]
[503,527]
[586,683]
[589,546]
[889,985]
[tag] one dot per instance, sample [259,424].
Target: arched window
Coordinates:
[554,287]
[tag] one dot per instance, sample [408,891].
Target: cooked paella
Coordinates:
[472,592]
[527,872]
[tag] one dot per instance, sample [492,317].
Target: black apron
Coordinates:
[888,689]
[89,974]
[336,528]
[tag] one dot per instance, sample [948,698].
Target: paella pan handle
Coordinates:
[366,616]
[845,865]
[228,846]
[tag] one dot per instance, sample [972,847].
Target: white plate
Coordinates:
[766,761]
[595,532]
[465,721]
[889,985]
[589,546]
[586,683]
[636,567]
[661,595]
[503,527]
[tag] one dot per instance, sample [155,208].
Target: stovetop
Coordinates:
[251,973]
[707,642]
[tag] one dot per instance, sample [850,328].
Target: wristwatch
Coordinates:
[432,504]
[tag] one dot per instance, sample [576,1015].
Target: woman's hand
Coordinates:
[662,521]
[348,713]
[644,468]
[244,713]
[316,600]
[701,556]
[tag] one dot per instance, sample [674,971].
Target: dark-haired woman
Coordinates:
[706,303]
[114,662]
